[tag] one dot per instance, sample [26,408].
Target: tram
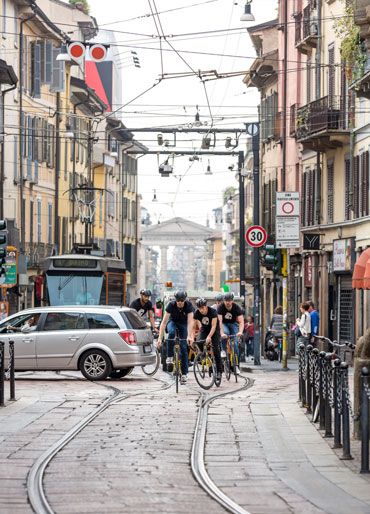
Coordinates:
[79,279]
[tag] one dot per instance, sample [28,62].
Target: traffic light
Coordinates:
[272,259]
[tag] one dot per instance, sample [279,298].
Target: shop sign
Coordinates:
[308,271]
[343,250]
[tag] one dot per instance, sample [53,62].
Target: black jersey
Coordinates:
[206,320]
[229,316]
[179,315]
[140,308]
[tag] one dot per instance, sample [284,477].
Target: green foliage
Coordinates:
[84,5]
[351,48]
[228,193]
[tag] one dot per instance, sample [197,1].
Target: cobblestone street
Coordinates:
[261,450]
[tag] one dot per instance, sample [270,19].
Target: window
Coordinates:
[35,49]
[31,224]
[18,321]
[356,186]
[331,75]
[101,321]
[39,221]
[50,223]
[64,321]
[347,189]
[133,320]
[309,196]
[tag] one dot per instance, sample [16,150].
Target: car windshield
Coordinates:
[133,320]
[74,289]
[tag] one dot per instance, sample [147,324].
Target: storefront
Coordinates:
[344,298]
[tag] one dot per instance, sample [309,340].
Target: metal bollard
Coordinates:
[337,410]
[364,420]
[327,370]
[321,391]
[11,371]
[345,412]
[302,350]
[315,356]
[2,373]
[308,378]
[300,376]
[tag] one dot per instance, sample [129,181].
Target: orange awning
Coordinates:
[362,264]
[367,276]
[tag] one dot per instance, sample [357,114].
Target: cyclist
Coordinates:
[209,331]
[178,316]
[231,320]
[219,298]
[144,307]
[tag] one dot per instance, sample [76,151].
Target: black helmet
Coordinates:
[201,302]
[219,297]
[146,292]
[229,297]
[180,296]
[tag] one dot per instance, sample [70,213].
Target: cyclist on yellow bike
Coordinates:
[178,316]
[231,321]
[209,331]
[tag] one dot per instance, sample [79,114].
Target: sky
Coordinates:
[203,26]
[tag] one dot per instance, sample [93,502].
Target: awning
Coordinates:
[359,272]
[367,276]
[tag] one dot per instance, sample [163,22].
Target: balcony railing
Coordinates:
[36,253]
[305,30]
[326,115]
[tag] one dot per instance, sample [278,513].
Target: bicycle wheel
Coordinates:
[235,365]
[204,370]
[177,369]
[151,369]
[227,366]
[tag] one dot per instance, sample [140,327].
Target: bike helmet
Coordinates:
[229,297]
[201,302]
[219,297]
[180,296]
[146,292]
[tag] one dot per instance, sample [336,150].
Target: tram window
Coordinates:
[102,321]
[64,321]
[133,320]
[115,288]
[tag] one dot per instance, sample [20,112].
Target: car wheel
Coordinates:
[95,365]
[116,374]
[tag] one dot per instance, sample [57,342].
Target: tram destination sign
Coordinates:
[75,263]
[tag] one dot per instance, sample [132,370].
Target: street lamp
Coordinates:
[247,15]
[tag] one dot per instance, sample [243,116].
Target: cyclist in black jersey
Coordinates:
[144,307]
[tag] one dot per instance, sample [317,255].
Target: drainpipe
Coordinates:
[2,165]
[57,174]
[318,95]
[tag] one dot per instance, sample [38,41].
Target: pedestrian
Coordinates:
[249,337]
[315,321]
[304,324]
[276,325]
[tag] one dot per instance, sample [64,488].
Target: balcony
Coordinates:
[323,124]
[306,30]
[36,253]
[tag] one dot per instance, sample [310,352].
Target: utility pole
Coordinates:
[241,226]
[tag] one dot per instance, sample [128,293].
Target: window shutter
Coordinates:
[347,189]
[356,177]
[36,69]
[40,141]
[57,83]
[331,75]
[24,134]
[34,139]
[44,140]
[48,62]
[365,184]
[330,211]
[29,138]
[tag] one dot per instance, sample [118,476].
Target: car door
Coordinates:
[24,343]
[58,340]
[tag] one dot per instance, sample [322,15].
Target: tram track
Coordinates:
[35,487]
[198,449]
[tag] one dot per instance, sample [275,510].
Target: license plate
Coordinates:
[147,348]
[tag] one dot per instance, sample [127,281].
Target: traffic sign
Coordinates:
[287,219]
[287,203]
[256,236]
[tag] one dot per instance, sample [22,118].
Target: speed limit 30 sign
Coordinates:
[256,236]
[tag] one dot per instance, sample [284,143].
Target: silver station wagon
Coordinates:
[100,341]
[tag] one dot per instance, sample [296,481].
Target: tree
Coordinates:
[83,5]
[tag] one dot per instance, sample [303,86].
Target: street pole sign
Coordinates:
[287,219]
[256,236]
